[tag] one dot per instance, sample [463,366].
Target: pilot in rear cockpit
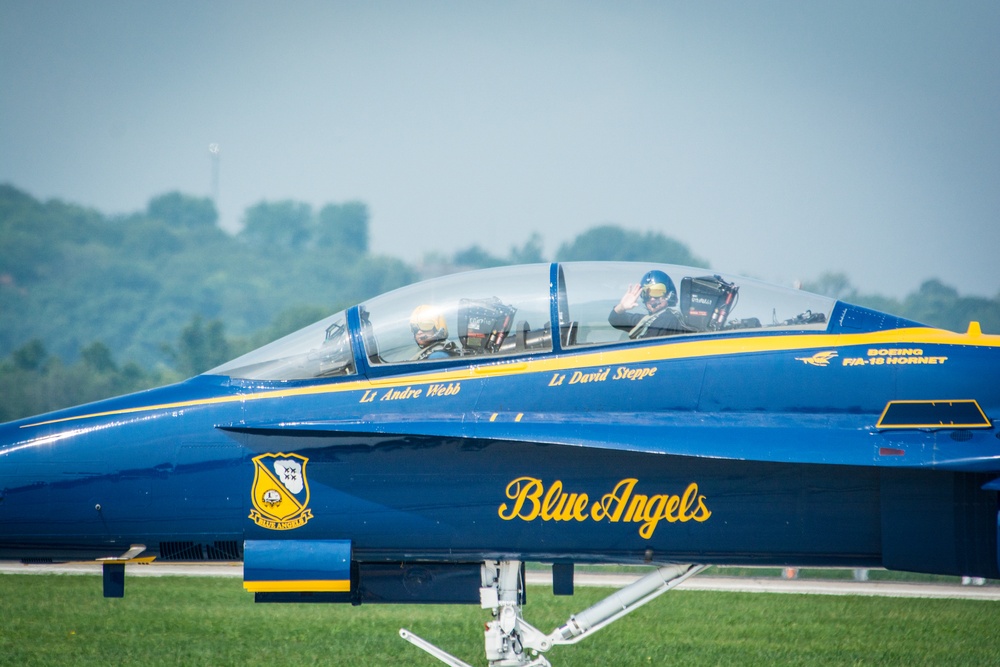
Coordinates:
[430,332]
[659,296]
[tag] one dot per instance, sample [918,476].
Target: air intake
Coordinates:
[226,550]
[180,551]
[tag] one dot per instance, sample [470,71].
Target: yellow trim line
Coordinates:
[305,586]
[577,358]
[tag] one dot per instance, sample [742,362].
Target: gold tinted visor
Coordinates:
[654,290]
[424,325]
[426,318]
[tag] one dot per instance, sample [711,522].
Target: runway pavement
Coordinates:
[705,582]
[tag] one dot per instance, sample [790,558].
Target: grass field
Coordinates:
[63,620]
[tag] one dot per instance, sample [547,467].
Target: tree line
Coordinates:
[94,305]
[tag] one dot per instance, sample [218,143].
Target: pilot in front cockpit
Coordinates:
[430,332]
[659,296]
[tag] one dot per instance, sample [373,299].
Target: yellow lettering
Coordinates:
[671,514]
[613,504]
[532,499]
[895,352]
[636,508]
[596,376]
[449,389]
[401,394]
[654,512]
[523,491]
[687,501]
[554,502]
[703,512]
[623,373]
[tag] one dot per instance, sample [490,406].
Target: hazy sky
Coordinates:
[776,139]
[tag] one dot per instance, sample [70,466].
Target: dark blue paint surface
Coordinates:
[730,454]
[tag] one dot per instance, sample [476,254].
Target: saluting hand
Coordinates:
[629,299]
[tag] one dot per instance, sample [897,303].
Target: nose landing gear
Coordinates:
[513,642]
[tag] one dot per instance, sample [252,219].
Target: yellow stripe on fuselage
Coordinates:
[577,358]
[306,586]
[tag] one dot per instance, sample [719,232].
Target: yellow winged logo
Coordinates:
[818,359]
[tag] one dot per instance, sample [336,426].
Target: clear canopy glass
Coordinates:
[322,349]
[508,311]
[492,312]
[704,301]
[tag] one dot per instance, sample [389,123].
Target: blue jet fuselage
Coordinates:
[864,440]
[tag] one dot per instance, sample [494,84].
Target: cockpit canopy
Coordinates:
[514,310]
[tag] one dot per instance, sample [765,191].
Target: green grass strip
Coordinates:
[63,620]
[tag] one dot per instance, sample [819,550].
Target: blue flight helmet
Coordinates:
[657,283]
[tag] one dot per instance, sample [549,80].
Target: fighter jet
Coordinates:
[423,445]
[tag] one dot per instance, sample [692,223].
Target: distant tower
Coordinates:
[214,150]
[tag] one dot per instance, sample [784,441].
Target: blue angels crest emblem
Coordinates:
[280,493]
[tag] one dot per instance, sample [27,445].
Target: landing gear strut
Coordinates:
[513,642]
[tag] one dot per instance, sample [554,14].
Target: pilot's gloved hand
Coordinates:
[629,299]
